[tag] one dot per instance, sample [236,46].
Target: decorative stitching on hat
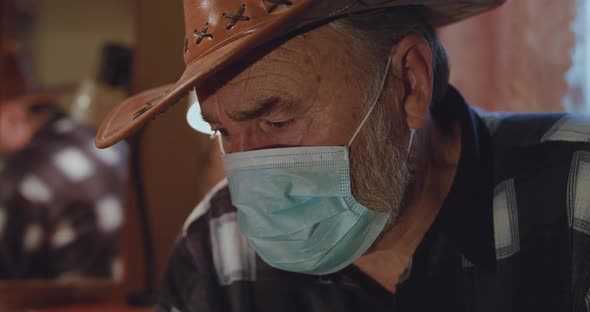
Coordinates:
[277,3]
[237,17]
[203,34]
[149,105]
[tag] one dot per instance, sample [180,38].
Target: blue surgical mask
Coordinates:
[296,208]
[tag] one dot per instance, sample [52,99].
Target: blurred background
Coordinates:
[526,56]
[88,56]
[530,55]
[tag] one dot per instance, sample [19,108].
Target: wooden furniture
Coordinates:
[19,295]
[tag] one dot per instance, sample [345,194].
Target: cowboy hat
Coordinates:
[220,32]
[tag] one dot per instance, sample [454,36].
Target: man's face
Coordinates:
[300,94]
[307,92]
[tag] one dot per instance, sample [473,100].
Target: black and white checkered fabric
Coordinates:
[61,206]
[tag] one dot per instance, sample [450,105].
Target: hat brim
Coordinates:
[137,110]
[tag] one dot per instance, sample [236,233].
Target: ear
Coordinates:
[15,132]
[412,62]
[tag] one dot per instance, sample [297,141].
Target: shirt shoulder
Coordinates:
[209,258]
[510,130]
[212,232]
[216,203]
[541,176]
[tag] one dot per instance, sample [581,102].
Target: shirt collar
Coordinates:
[467,213]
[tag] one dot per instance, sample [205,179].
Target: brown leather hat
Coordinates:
[219,32]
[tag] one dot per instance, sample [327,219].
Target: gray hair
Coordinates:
[371,37]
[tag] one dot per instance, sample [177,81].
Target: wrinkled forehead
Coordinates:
[280,65]
[293,74]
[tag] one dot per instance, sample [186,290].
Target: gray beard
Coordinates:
[380,169]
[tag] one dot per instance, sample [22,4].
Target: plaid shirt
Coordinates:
[61,206]
[512,235]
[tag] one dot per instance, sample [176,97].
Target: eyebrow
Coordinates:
[261,108]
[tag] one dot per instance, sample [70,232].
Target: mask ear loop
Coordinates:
[215,136]
[412,134]
[373,105]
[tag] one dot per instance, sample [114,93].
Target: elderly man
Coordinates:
[357,178]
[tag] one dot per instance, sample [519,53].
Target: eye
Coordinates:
[280,124]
